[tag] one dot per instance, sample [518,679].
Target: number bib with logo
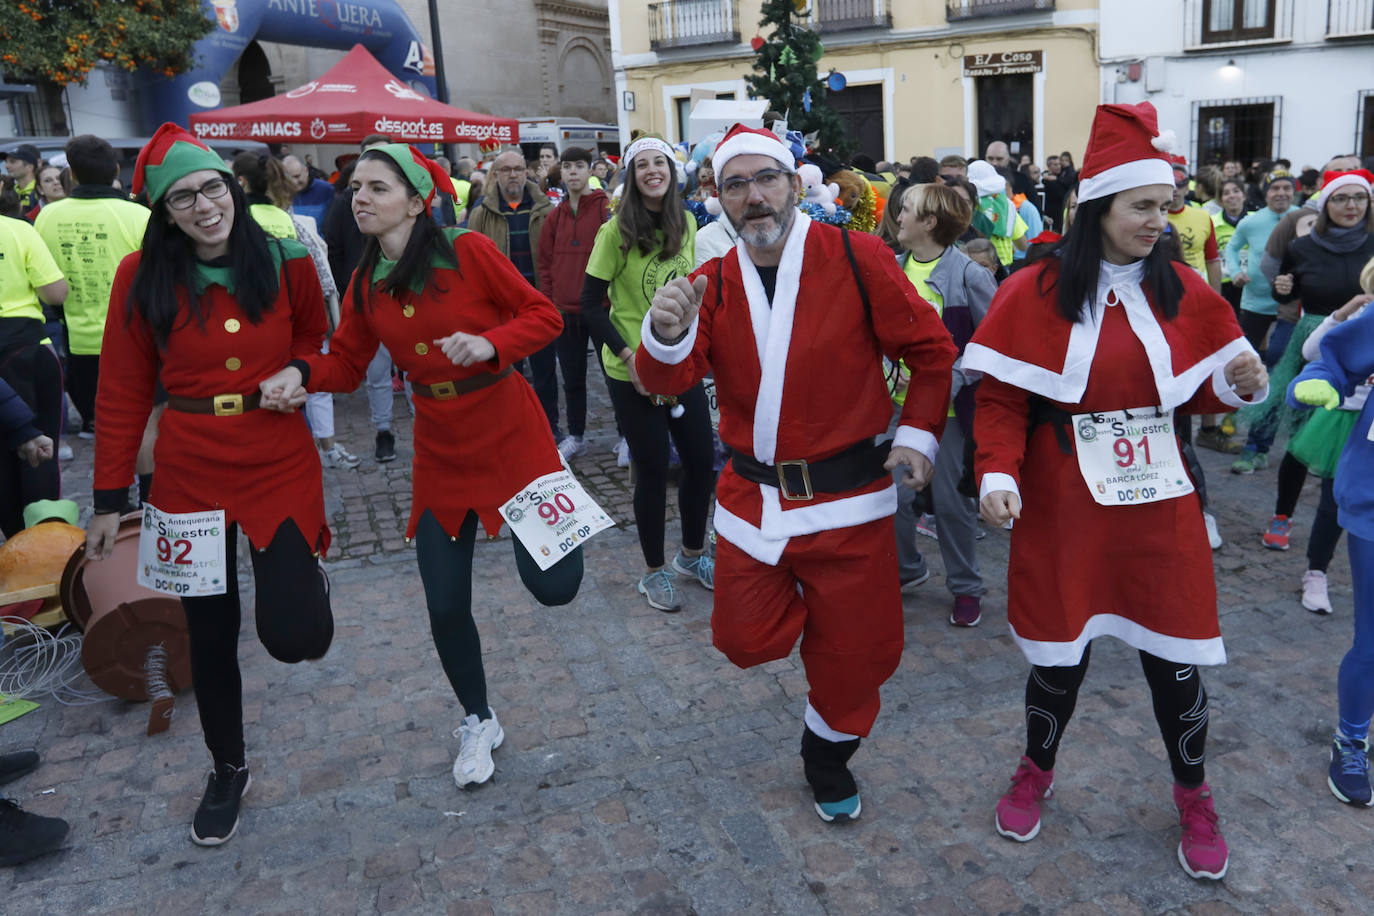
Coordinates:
[552,515]
[182,555]
[1130,456]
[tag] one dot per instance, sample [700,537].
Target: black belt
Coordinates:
[221,405]
[856,466]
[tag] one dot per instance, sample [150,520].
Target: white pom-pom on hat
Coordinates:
[1166,142]
[713,205]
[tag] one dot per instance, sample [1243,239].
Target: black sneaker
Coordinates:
[826,766]
[19,763]
[386,446]
[218,815]
[25,836]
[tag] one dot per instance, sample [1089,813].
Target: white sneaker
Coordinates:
[64,452]
[570,446]
[477,740]
[1314,596]
[622,454]
[339,457]
[1213,535]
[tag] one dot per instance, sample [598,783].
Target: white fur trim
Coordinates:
[820,729]
[751,144]
[773,332]
[1123,177]
[994,481]
[779,523]
[921,440]
[1229,396]
[653,143]
[1338,182]
[1174,648]
[747,538]
[668,354]
[1067,387]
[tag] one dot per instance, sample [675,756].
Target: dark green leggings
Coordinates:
[446,571]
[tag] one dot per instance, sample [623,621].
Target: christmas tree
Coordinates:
[786,66]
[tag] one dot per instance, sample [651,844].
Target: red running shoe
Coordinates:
[1276,535]
[1201,851]
[1018,811]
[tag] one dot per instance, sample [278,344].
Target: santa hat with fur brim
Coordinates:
[1358,178]
[751,141]
[1126,150]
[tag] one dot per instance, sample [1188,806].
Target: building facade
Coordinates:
[923,77]
[1247,79]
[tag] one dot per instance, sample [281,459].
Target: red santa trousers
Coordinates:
[838,590]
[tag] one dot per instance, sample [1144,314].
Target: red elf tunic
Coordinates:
[261,466]
[476,450]
[1141,572]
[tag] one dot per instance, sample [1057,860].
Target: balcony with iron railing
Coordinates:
[960,10]
[847,15]
[1350,19]
[692,23]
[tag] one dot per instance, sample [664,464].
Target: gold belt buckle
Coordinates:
[443,391]
[806,481]
[227,405]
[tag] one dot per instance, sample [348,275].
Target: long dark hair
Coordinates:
[1080,263]
[639,225]
[166,271]
[265,176]
[413,267]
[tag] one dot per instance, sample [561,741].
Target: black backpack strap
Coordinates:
[854,266]
[720,282]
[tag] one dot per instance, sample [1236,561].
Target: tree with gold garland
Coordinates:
[785,62]
[61,41]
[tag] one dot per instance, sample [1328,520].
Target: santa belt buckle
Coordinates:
[227,405]
[785,488]
[443,391]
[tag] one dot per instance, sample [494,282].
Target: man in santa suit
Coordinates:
[794,322]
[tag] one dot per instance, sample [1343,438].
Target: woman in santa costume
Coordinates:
[1089,358]
[455,314]
[196,309]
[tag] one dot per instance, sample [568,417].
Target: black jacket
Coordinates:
[1323,280]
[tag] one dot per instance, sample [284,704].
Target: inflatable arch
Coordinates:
[381,26]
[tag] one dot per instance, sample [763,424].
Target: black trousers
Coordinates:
[83,374]
[1180,706]
[572,364]
[646,428]
[544,380]
[294,623]
[36,376]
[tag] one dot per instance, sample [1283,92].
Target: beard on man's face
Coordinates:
[765,235]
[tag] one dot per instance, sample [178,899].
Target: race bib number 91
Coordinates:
[182,555]
[1130,456]
[552,515]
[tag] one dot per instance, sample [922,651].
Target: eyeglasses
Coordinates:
[1345,200]
[512,169]
[767,180]
[185,199]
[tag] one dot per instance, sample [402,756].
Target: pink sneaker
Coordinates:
[1018,811]
[1201,851]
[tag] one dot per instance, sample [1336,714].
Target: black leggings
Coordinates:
[36,376]
[646,428]
[446,571]
[1180,703]
[83,374]
[294,622]
[1326,528]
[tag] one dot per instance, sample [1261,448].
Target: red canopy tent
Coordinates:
[354,98]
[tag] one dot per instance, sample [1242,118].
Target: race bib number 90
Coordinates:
[1130,456]
[552,515]
[182,555]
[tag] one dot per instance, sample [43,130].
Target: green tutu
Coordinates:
[1274,415]
[1319,443]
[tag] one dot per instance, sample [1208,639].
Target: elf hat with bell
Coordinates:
[1126,149]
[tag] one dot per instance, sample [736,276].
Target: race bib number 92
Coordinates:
[182,555]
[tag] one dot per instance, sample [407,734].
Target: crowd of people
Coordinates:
[896,351]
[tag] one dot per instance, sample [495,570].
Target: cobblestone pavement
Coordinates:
[643,773]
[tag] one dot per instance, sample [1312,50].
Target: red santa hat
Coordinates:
[1358,178]
[1125,150]
[751,141]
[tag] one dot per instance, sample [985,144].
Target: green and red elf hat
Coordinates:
[424,175]
[172,154]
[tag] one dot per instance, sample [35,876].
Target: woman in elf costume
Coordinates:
[455,315]
[196,309]
[1087,355]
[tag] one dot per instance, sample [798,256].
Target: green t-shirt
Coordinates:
[918,272]
[1005,246]
[25,265]
[634,278]
[274,220]
[88,237]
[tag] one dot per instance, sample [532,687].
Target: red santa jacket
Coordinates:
[801,377]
